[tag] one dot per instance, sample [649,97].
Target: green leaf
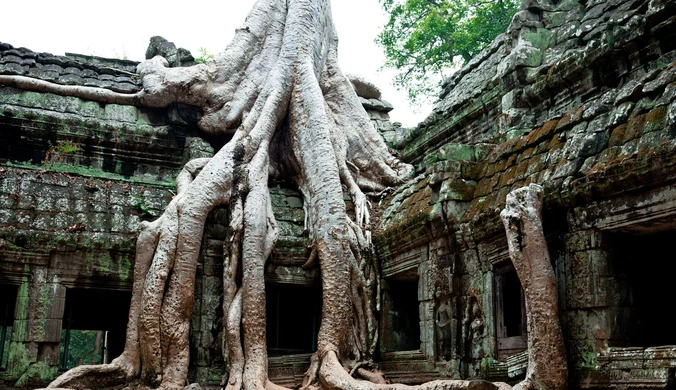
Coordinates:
[425,39]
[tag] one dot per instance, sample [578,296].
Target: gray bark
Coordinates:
[547,367]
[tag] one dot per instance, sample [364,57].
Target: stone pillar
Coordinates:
[34,350]
[21,352]
[426,277]
[588,286]
[490,347]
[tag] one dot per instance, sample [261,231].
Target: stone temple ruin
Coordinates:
[579,97]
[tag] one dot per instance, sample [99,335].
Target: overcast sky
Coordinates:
[122,28]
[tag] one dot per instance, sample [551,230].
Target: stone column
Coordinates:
[593,296]
[34,350]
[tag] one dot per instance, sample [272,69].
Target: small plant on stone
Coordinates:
[432,158]
[56,152]
[204,56]
[140,203]
[588,356]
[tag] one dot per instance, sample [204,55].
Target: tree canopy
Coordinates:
[425,39]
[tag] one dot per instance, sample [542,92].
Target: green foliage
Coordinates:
[66,147]
[56,152]
[84,347]
[204,56]
[431,158]
[4,355]
[487,363]
[588,356]
[423,39]
[140,203]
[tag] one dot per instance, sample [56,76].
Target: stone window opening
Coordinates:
[293,317]
[401,309]
[8,296]
[510,312]
[94,326]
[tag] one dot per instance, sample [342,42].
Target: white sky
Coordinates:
[123,28]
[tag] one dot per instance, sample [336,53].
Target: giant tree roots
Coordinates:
[278,93]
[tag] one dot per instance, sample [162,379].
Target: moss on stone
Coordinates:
[88,172]
[124,267]
[37,374]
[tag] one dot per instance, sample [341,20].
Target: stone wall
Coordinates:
[579,98]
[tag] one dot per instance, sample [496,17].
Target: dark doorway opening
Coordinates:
[510,311]
[644,267]
[94,326]
[7,306]
[402,312]
[293,319]
[512,298]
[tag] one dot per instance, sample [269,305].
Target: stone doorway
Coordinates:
[7,305]
[293,318]
[94,326]
[510,311]
[401,312]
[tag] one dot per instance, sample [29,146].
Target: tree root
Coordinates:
[89,93]
[333,376]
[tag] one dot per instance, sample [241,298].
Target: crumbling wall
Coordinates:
[580,99]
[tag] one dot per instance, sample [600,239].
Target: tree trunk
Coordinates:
[547,368]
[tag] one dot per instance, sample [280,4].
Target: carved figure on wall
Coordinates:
[476,328]
[443,322]
[472,323]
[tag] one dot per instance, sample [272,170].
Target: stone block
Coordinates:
[620,114]
[425,281]
[99,222]
[212,287]
[118,223]
[49,353]
[57,303]
[584,240]
[62,204]
[565,168]
[70,79]
[20,330]
[289,229]
[9,184]
[426,310]
[80,205]
[295,215]
[427,339]
[12,68]
[52,331]
[95,82]
[62,221]
[457,189]
[44,74]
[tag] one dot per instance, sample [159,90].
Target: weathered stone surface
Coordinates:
[364,88]
[159,46]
